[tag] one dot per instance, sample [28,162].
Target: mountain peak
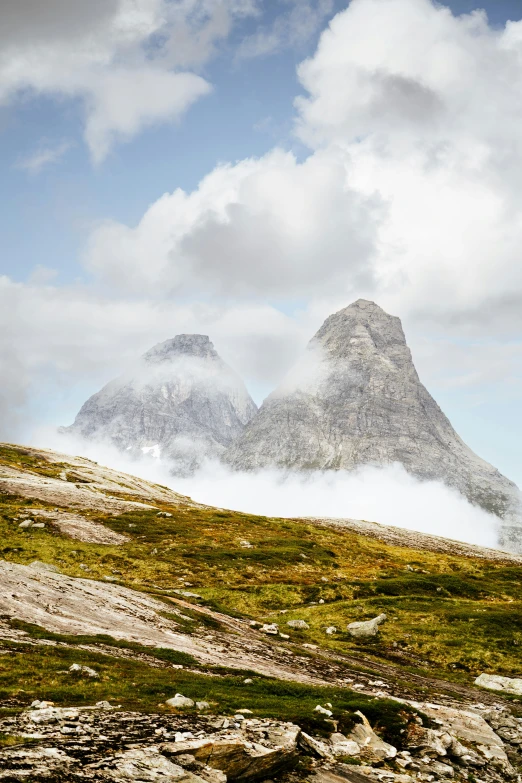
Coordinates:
[355,399]
[195,345]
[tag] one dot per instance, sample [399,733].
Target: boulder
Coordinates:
[238,758]
[466,736]
[331,630]
[366,627]
[323,711]
[372,747]
[342,746]
[270,628]
[86,671]
[298,624]
[495,682]
[180,702]
[147,764]
[317,746]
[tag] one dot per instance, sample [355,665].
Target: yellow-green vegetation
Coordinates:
[450,616]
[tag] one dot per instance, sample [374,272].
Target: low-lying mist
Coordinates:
[388,495]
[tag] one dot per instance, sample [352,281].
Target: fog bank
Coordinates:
[388,495]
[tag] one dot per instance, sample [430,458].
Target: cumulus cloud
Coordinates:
[411,193]
[122,58]
[270,225]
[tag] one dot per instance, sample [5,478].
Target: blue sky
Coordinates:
[461,319]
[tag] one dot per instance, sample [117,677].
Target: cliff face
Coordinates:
[181,401]
[355,399]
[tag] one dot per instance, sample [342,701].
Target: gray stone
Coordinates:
[355,399]
[323,711]
[180,702]
[298,624]
[180,402]
[86,671]
[495,682]
[372,747]
[366,627]
[272,629]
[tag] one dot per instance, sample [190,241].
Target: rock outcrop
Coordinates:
[355,399]
[495,682]
[181,401]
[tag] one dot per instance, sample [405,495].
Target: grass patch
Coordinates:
[448,615]
[42,673]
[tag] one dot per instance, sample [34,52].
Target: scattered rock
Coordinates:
[163,514]
[366,627]
[298,624]
[26,523]
[202,705]
[323,711]
[270,628]
[331,630]
[84,670]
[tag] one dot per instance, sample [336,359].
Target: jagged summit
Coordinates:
[355,399]
[195,345]
[180,401]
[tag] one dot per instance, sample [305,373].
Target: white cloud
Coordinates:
[412,193]
[272,225]
[45,156]
[126,60]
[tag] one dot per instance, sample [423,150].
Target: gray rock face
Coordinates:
[181,401]
[355,399]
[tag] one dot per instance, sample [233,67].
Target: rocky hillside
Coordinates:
[355,399]
[146,637]
[181,401]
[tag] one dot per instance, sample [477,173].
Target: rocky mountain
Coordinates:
[181,401]
[146,637]
[355,399]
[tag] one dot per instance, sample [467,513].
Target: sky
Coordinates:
[244,168]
